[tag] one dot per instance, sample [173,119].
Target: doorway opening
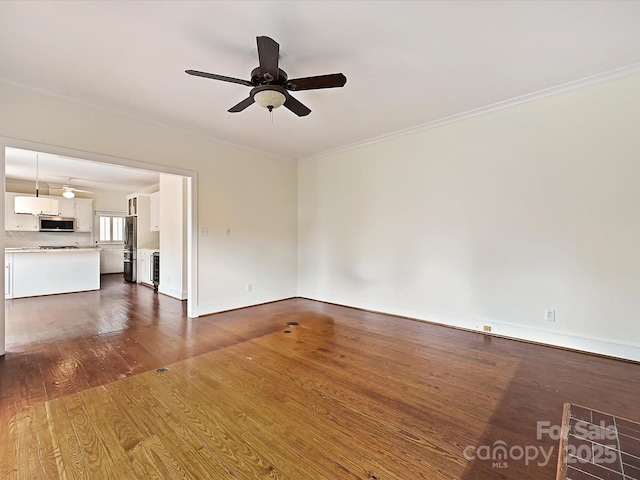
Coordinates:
[186,179]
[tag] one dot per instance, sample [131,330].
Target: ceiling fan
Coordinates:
[68,190]
[271,85]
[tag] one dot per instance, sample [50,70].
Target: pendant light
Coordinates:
[36,205]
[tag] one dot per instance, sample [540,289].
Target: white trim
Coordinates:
[614,74]
[2,212]
[110,270]
[248,300]
[192,247]
[112,213]
[173,293]
[626,351]
[93,157]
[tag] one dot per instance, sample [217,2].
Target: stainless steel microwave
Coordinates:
[56,224]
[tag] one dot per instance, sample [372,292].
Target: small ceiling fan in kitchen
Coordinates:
[68,190]
[271,85]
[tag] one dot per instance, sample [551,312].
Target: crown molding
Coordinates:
[626,71]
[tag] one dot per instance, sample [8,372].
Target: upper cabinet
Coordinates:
[154,212]
[83,214]
[132,204]
[17,221]
[67,207]
[79,208]
[35,205]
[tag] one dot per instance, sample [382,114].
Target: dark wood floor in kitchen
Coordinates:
[344,394]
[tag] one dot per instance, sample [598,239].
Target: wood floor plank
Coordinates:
[8,447]
[46,449]
[99,460]
[26,438]
[68,453]
[151,417]
[111,427]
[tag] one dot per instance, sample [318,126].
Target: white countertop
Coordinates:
[48,250]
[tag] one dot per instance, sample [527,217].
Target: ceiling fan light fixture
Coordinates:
[269,98]
[68,194]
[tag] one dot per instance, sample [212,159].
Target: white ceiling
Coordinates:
[407,63]
[54,171]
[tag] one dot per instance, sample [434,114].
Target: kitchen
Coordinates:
[76,232]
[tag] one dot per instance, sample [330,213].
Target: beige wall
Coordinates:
[173,238]
[490,220]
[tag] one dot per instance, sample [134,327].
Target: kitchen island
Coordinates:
[34,271]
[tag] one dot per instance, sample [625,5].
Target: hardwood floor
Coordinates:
[345,394]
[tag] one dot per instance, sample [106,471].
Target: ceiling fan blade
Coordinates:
[242,105]
[219,77]
[296,107]
[268,54]
[331,80]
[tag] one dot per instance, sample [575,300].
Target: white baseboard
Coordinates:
[105,270]
[626,351]
[248,300]
[174,293]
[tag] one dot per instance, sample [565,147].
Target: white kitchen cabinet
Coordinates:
[83,214]
[35,205]
[145,266]
[154,212]
[79,208]
[8,275]
[142,266]
[18,221]
[111,259]
[66,207]
[132,205]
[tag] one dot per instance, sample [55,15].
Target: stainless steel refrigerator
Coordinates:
[130,245]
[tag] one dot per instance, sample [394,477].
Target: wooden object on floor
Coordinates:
[598,446]
[561,473]
[294,389]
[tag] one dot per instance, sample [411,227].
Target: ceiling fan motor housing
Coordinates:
[259,78]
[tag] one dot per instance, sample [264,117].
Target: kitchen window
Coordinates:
[111,228]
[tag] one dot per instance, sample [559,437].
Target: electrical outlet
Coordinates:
[487,328]
[550,315]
